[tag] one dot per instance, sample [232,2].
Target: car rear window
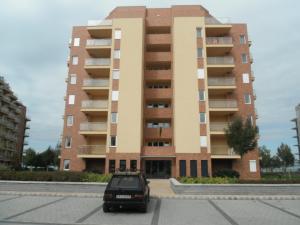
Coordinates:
[131,182]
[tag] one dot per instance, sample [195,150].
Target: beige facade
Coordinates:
[154,90]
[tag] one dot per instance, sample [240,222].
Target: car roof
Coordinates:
[126,173]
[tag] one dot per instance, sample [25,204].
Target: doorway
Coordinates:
[158,168]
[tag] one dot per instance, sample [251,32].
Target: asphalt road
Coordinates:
[43,210]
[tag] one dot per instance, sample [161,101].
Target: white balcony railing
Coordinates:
[93,126]
[218,126]
[98,42]
[219,40]
[225,60]
[97,62]
[219,20]
[224,81]
[222,103]
[222,150]
[95,82]
[92,150]
[94,104]
[99,23]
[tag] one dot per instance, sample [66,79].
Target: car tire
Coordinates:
[105,208]
[144,208]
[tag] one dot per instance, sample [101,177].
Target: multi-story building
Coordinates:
[297,128]
[13,126]
[153,89]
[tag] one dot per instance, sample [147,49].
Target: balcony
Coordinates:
[223,152]
[218,46]
[223,105]
[95,43]
[221,84]
[158,75]
[225,61]
[91,151]
[158,113]
[100,28]
[4,110]
[99,48]
[218,128]
[93,128]
[158,94]
[96,86]
[96,65]
[162,151]
[158,133]
[215,27]
[158,39]
[158,56]
[94,107]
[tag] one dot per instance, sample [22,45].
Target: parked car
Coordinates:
[127,190]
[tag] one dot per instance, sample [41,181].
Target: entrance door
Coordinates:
[158,168]
[204,168]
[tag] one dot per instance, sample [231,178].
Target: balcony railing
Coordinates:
[219,40]
[4,109]
[222,150]
[222,103]
[98,42]
[95,82]
[99,23]
[218,126]
[91,150]
[94,104]
[93,126]
[97,62]
[213,20]
[6,99]
[225,60]
[224,81]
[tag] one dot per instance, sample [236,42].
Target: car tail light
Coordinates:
[107,196]
[138,196]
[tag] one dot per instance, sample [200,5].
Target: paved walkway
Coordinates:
[161,187]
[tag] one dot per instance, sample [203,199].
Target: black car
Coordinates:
[127,190]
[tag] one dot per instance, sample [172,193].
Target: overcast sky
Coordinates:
[34,38]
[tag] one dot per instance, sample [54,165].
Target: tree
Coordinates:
[265,155]
[48,157]
[275,162]
[29,158]
[285,155]
[57,153]
[241,136]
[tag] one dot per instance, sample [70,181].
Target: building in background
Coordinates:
[154,89]
[297,128]
[13,126]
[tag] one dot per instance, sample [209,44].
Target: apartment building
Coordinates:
[153,89]
[13,126]
[297,128]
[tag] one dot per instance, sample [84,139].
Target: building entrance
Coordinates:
[158,168]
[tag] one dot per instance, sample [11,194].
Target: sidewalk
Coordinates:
[161,188]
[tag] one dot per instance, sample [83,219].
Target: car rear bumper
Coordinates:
[127,204]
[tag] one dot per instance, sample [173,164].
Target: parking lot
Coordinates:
[36,210]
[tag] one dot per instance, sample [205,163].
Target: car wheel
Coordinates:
[148,197]
[105,208]
[144,208]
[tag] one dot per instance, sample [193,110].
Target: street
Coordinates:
[45,210]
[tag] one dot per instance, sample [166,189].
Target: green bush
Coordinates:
[226,173]
[207,180]
[53,176]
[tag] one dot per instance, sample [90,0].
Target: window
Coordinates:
[242,39]
[122,165]
[118,34]
[202,117]
[250,117]
[200,73]
[112,166]
[252,166]
[203,141]
[115,96]
[113,141]
[246,78]
[182,168]
[67,164]
[193,168]
[133,165]
[201,95]
[117,54]
[244,58]
[199,32]
[158,143]
[73,78]
[74,60]
[70,120]
[68,142]
[114,117]
[247,98]
[158,125]
[116,74]
[199,53]
[76,41]
[71,99]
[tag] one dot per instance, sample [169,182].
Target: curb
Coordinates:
[184,197]
[52,182]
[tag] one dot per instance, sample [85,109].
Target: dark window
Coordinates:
[204,168]
[122,165]
[131,182]
[182,168]
[193,167]
[112,166]
[133,164]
